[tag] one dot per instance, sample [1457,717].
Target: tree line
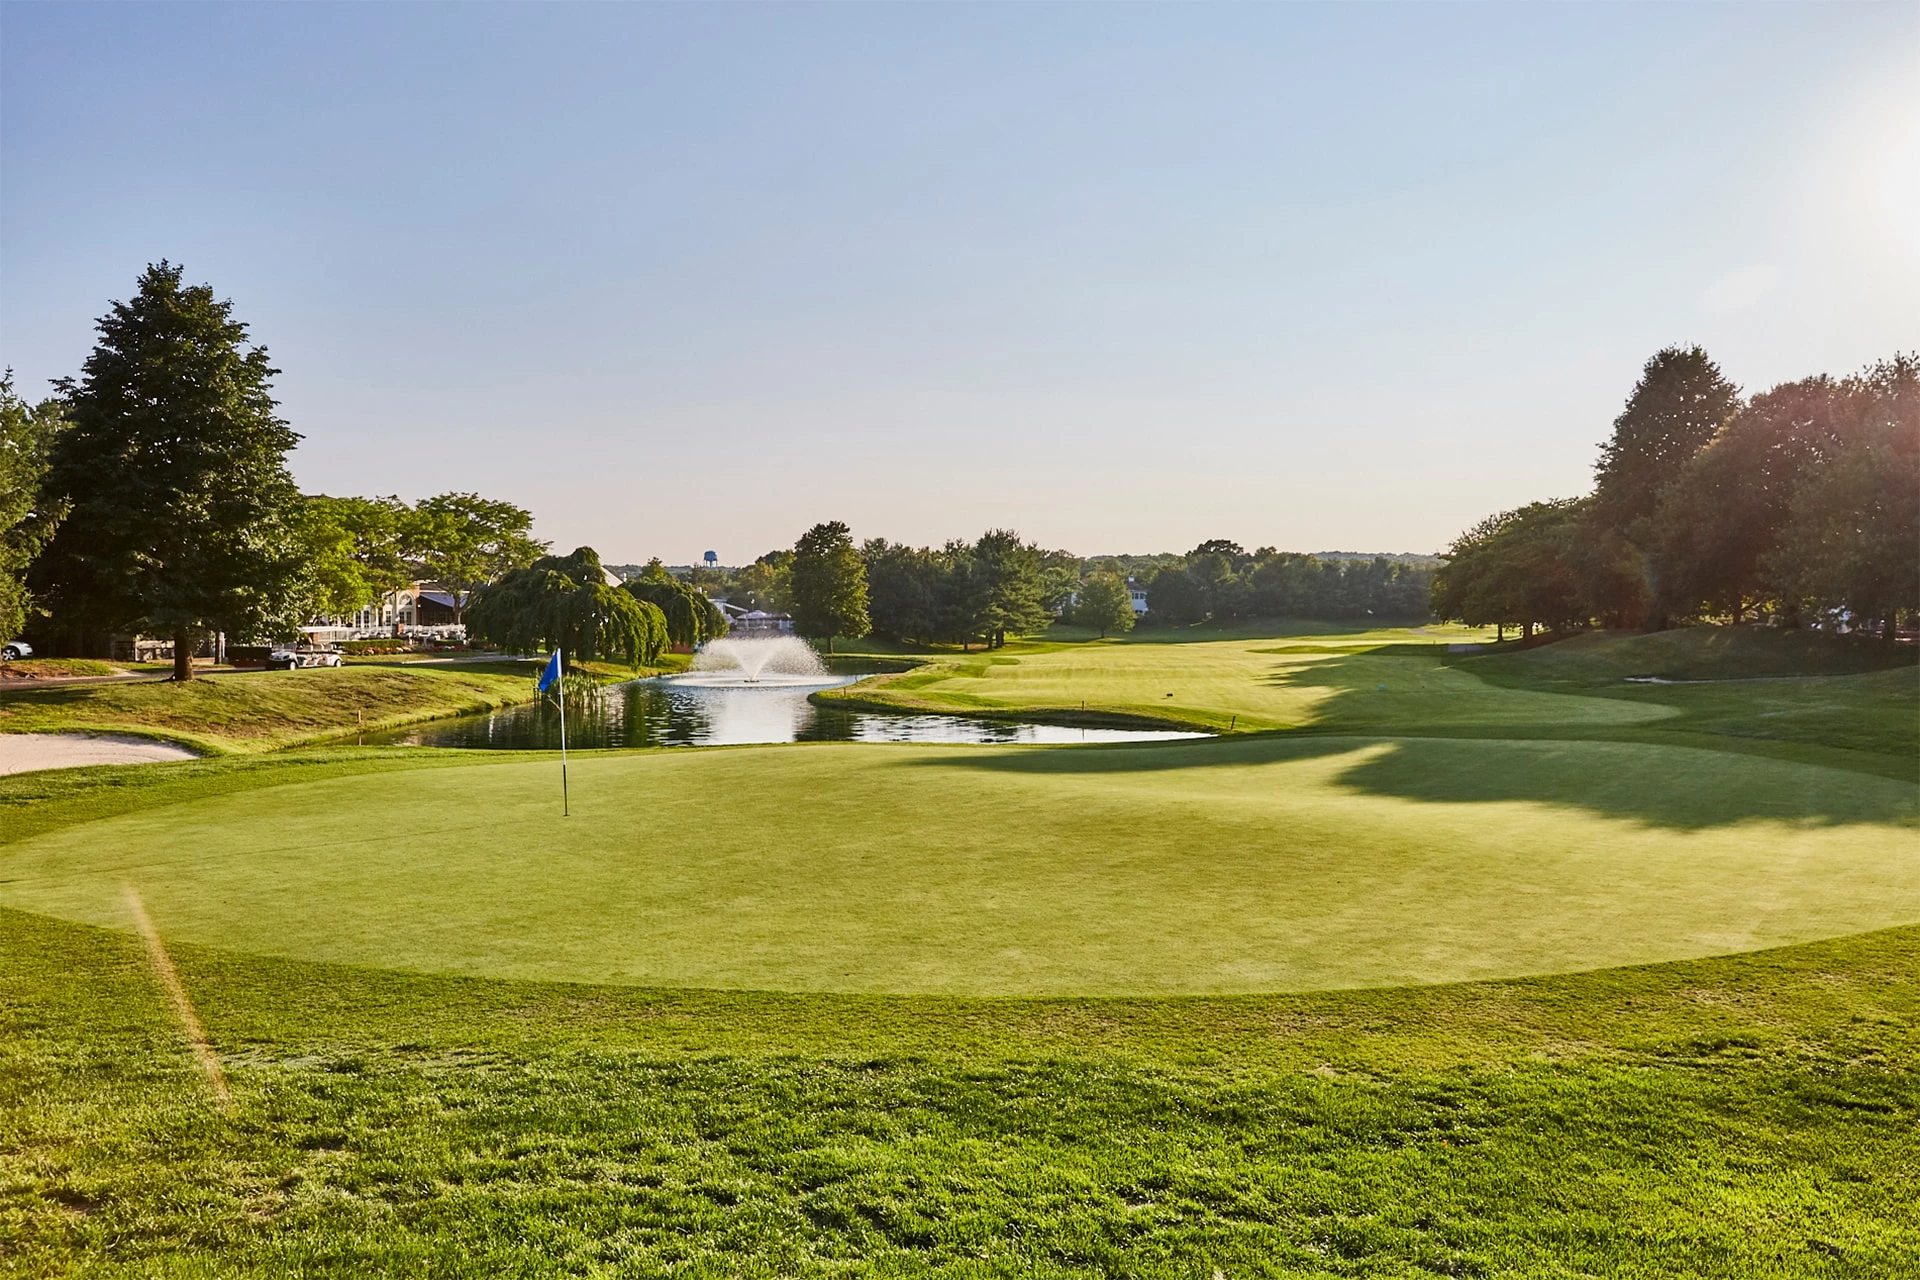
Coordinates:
[1222,581]
[1000,585]
[1798,504]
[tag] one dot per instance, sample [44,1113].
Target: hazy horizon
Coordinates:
[680,278]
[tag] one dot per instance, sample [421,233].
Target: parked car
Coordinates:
[15,649]
[289,657]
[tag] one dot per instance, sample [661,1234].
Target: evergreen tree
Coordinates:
[829,584]
[1009,587]
[183,515]
[1679,403]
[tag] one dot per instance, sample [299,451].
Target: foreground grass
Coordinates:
[1740,1117]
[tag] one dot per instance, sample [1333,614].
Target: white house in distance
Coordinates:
[1138,595]
[423,609]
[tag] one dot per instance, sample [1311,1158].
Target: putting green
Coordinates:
[1216,866]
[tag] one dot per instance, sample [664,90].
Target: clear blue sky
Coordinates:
[680,277]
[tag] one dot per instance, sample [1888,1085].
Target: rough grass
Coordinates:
[1742,1117]
[265,710]
[1694,653]
[59,668]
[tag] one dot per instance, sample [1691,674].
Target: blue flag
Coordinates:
[551,676]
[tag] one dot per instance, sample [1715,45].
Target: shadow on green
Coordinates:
[1686,788]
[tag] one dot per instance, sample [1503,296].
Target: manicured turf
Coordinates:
[1387,679]
[1402,681]
[1232,865]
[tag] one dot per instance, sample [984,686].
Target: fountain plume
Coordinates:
[756,660]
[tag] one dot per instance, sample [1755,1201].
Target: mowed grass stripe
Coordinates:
[1238,865]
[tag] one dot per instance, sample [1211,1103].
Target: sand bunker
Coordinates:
[23,752]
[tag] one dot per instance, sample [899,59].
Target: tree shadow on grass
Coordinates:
[1384,692]
[1685,788]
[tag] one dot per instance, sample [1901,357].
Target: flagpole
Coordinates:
[566,810]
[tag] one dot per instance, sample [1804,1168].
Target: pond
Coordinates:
[668,713]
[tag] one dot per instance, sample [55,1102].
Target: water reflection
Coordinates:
[656,713]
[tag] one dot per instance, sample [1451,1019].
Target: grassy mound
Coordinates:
[1243,864]
[263,710]
[1693,653]
[69,668]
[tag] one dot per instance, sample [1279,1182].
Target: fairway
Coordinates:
[1234,865]
[1380,681]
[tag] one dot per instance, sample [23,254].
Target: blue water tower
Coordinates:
[711,559]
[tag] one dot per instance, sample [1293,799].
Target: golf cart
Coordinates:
[292,656]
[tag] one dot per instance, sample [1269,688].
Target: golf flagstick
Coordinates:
[566,810]
[548,679]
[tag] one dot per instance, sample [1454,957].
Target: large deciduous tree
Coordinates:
[565,602]
[1709,543]
[336,581]
[1105,604]
[379,535]
[1514,569]
[904,585]
[1852,538]
[829,584]
[464,541]
[28,515]
[766,584]
[183,516]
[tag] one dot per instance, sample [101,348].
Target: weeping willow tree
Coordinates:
[692,619]
[564,602]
